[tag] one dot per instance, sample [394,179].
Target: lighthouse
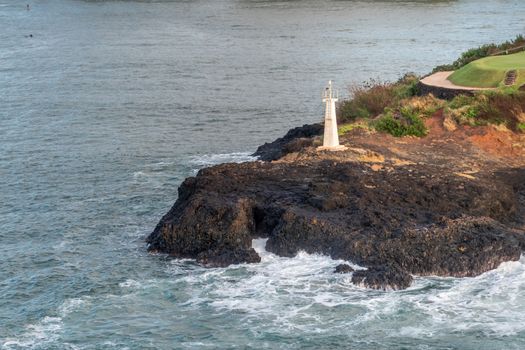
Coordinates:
[331,137]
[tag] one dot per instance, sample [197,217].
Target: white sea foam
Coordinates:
[130,283]
[491,303]
[214,159]
[139,174]
[152,170]
[43,332]
[283,289]
[149,177]
[47,330]
[303,294]
[71,305]
[113,345]
[198,345]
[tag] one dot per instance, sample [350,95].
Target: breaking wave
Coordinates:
[301,298]
[214,159]
[284,296]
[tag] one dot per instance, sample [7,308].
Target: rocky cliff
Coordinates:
[399,207]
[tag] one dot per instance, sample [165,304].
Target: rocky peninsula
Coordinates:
[448,204]
[431,182]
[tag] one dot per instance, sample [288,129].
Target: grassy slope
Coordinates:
[490,71]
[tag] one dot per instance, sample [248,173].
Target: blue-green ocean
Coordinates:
[106,106]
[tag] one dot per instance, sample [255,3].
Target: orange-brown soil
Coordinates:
[466,149]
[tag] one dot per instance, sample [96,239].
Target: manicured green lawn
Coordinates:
[490,71]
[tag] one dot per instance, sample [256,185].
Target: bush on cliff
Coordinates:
[424,106]
[346,128]
[489,107]
[394,109]
[507,108]
[367,101]
[371,98]
[402,122]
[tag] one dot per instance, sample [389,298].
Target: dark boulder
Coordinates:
[343,268]
[383,278]
[226,257]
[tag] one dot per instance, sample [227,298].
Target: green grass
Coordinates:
[512,46]
[343,129]
[346,128]
[489,72]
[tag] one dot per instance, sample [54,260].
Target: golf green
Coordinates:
[489,72]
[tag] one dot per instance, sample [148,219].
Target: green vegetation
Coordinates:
[345,128]
[490,72]
[484,51]
[364,124]
[373,97]
[394,108]
[388,107]
[491,107]
[405,122]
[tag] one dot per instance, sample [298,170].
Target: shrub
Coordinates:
[371,98]
[461,101]
[406,86]
[367,101]
[503,108]
[491,107]
[465,115]
[400,123]
[424,106]
[345,128]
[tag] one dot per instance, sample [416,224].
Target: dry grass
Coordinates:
[498,108]
[424,105]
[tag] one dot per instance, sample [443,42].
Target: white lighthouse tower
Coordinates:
[331,137]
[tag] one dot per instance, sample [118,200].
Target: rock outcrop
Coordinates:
[343,268]
[398,219]
[383,277]
[294,140]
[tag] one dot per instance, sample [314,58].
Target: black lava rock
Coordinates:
[294,140]
[343,268]
[416,219]
[383,277]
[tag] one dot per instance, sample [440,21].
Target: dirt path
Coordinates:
[440,79]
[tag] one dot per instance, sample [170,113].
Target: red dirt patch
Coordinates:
[466,147]
[502,144]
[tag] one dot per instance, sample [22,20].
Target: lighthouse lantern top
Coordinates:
[330,93]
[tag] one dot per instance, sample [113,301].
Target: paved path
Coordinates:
[439,79]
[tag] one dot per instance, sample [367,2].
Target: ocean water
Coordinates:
[111,104]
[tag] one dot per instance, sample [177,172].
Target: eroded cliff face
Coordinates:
[397,216]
